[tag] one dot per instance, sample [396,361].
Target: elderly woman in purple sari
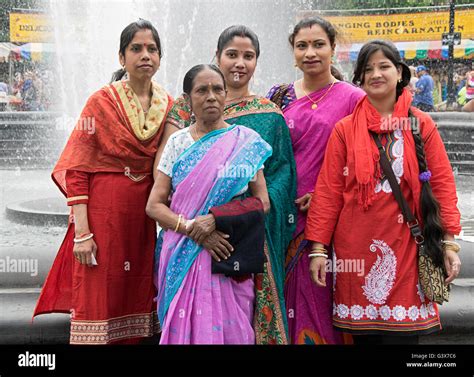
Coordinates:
[204,171]
[311,106]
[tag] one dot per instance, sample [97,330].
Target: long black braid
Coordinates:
[433,230]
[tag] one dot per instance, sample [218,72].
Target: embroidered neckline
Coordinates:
[394,151]
[144,124]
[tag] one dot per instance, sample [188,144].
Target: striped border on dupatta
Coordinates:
[113,329]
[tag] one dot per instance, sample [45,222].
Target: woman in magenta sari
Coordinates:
[206,167]
[311,106]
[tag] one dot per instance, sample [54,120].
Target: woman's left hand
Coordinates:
[202,228]
[317,269]
[452,264]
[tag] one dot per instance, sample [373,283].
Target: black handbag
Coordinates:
[431,276]
[244,222]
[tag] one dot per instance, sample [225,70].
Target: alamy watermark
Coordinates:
[391,123]
[346,266]
[84,124]
[22,266]
[237,171]
[45,360]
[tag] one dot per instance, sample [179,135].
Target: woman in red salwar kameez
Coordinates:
[377,294]
[103,273]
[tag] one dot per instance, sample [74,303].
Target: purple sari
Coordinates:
[310,307]
[194,305]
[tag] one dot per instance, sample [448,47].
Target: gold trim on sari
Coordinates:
[113,329]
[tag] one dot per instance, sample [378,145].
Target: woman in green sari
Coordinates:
[237,53]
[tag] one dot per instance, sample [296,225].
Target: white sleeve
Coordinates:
[168,158]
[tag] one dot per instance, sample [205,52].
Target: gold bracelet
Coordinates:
[320,249]
[180,217]
[451,249]
[451,245]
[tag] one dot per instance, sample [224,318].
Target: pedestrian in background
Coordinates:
[424,90]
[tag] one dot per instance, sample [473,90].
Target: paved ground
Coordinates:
[449,338]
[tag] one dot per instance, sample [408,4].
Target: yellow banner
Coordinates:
[30,27]
[402,27]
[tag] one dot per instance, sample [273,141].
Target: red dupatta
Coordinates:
[113,135]
[366,118]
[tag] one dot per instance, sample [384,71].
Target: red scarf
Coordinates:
[367,169]
[104,141]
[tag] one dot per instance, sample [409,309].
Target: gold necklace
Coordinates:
[314,106]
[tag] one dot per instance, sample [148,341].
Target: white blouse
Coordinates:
[177,144]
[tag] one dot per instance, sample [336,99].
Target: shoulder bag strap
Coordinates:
[410,219]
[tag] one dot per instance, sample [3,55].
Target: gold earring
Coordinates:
[296,64]
[399,80]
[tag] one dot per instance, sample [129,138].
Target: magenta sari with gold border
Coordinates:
[309,307]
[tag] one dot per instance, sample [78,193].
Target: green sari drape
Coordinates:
[264,117]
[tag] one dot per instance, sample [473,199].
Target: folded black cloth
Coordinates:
[244,222]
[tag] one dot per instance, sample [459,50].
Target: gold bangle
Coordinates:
[320,249]
[452,248]
[180,217]
[451,245]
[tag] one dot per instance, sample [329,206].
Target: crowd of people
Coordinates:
[256,197]
[30,91]
[430,88]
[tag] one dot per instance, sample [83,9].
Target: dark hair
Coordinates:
[311,21]
[189,77]
[328,28]
[126,38]
[433,230]
[335,72]
[391,52]
[237,31]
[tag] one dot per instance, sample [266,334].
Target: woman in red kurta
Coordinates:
[103,273]
[377,292]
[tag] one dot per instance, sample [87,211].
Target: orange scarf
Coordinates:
[367,169]
[109,137]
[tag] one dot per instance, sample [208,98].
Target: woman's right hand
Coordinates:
[317,268]
[83,251]
[304,202]
[218,246]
